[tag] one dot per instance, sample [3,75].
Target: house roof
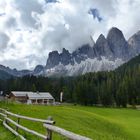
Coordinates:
[20,93]
[33,95]
[40,95]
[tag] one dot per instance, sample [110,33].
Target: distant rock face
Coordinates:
[15,72]
[38,69]
[53,59]
[134,44]
[65,57]
[106,54]
[83,53]
[103,48]
[117,43]
[89,65]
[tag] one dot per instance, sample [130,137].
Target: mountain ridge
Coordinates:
[106,54]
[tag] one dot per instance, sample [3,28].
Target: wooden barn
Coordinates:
[32,97]
[20,96]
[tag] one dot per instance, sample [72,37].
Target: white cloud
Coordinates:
[127,17]
[29,29]
[4,39]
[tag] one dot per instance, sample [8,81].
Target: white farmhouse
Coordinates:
[40,98]
[32,97]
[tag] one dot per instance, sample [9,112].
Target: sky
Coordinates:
[30,29]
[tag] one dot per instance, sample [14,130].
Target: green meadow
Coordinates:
[93,122]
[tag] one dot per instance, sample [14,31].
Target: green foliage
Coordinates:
[119,87]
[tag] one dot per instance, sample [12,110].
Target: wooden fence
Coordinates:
[48,124]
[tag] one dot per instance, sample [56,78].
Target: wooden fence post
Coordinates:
[6,116]
[18,119]
[49,132]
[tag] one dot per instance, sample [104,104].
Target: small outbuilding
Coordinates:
[32,97]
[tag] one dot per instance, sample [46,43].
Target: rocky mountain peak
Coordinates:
[138,33]
[65,50]
[53,59]
[65,57]
[101,39]
[117,43]
[134,44]
[116,31]
[107,54]
[38,69]
[115,36]
[136,36]
[102,47]
[82,53]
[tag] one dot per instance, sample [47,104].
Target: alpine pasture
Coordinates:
[94,122]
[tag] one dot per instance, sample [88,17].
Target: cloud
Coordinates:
[4,39]
[126,17]
[29,29]
[51,1]
[95,13]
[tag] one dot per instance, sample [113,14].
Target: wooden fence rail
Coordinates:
[13,131]
[48,124]
[28,118]
[65,133]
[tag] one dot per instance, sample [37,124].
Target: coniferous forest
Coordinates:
[115,88]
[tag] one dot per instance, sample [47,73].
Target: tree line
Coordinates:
[114,88]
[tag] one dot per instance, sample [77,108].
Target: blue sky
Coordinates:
[30,29]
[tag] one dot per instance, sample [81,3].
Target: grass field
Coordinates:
[6,135]
[93,122]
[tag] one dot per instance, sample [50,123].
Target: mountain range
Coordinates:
[106,54]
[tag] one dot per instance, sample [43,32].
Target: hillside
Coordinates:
[96,123]
[106,54]
[4,75]
[115,88]
[133,63]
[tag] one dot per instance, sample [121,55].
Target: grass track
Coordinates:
[96,123]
